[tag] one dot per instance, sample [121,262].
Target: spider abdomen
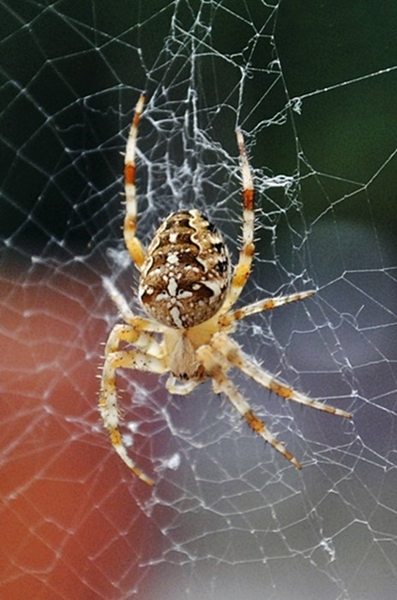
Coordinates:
[186,273]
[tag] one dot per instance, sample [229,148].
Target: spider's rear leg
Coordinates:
[243,268]
[134,246]
[216,367]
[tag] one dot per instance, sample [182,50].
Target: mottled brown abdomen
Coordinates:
[186,273]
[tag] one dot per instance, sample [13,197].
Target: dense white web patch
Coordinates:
[314,93]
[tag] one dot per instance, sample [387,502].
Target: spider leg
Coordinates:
[227,319]
[216,366]
[138,323]
[237,358]
[134,246]
[144,359]
[243,267]
[132,334]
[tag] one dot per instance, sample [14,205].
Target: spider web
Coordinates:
[313,88]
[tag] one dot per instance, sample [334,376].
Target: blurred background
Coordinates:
[313,88]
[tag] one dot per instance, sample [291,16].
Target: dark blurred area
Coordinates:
[71,75]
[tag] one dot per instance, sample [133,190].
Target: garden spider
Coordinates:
[188,288]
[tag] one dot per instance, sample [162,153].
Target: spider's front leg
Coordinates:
[216,366]
[147,357]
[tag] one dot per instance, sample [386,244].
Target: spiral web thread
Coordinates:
[228,516]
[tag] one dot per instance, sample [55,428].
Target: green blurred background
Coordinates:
[71,72]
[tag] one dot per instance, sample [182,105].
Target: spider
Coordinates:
[188,288]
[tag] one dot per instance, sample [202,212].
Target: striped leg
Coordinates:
[134,246]
[137,323]
[236,357]
[243,268]
[256,307]
[216,366]
[133,359]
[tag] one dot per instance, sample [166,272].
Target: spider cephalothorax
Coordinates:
[188,289]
